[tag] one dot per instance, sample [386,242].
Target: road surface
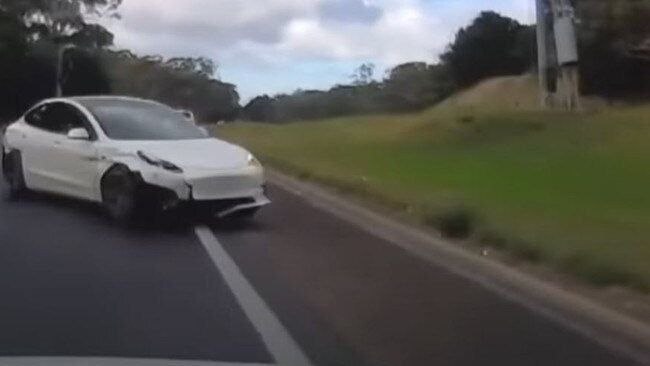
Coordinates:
[299,282]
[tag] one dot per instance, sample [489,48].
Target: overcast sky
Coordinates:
[271,46]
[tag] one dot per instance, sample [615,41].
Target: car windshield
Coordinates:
[141,120]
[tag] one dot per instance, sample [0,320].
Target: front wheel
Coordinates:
[119,194]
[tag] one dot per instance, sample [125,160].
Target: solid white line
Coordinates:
[277,339]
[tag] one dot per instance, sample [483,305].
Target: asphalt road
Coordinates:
[72,284]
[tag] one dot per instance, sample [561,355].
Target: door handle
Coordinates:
[58,143]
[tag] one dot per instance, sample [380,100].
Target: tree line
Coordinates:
[491,45]
[34,35]
[614,42]
[614,39]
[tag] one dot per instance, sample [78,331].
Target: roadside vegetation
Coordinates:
[565,189]
[474,158]
[35,33]
[614,41]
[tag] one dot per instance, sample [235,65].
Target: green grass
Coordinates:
[569,190]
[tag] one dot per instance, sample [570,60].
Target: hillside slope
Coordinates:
[499,92]
[510,92]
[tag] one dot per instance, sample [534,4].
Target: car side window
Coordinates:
[69,117]
[58,118]
[35,116]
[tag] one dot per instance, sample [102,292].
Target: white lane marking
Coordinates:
[277,339]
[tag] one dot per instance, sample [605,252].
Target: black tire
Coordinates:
[12,170]
[119,195]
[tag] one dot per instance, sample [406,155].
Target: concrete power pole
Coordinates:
[557,54]
[566,46]
[543,52]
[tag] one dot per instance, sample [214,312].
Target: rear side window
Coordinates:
[58,118]
[35,116]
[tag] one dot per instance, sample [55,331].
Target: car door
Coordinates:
[54,162]
[36,145]
[75,161]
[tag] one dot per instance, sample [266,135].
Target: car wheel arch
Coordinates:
[7,153]
[110,170]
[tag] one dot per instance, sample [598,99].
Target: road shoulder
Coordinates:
[600,323]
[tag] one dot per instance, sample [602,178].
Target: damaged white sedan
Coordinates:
[129,155]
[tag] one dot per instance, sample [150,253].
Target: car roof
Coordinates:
[108,98]
[96,99]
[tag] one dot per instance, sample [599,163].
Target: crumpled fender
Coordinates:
[150,174]
[131,162]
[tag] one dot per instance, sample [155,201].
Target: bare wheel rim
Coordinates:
[118,195]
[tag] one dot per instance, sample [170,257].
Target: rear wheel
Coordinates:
[119,197]
[12,170]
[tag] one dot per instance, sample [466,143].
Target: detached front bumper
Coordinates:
[221,193]
[225,207]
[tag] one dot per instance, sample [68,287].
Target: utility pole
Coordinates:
[567,53]
[542,53]
[557,53]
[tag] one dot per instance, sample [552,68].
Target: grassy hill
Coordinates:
[566,189]
[510,92]
[499,92]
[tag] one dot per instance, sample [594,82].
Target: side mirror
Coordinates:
[78,134]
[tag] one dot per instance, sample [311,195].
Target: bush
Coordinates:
[519,248]
[601,274]
[454,223]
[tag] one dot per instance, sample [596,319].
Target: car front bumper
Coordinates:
[222,192]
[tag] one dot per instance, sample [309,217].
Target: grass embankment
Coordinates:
[569,190]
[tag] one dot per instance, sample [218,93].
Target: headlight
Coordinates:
[252,161]
[152,160]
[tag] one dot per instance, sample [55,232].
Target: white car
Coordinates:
[129,154]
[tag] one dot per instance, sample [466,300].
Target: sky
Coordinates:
[276,46]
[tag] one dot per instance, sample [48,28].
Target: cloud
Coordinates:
[281,36]
[349,11]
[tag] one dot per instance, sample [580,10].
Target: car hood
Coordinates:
[209,153]
[105,361]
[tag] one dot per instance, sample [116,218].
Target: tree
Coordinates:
[180,82]
[91,36]
[612,35]
[56,19]
[200,65]
[364,74]
[412,86]
[13,50]
[490,46]
[87,76]
[259,109]
[30,34]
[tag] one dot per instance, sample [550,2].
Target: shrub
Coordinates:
[454,223]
